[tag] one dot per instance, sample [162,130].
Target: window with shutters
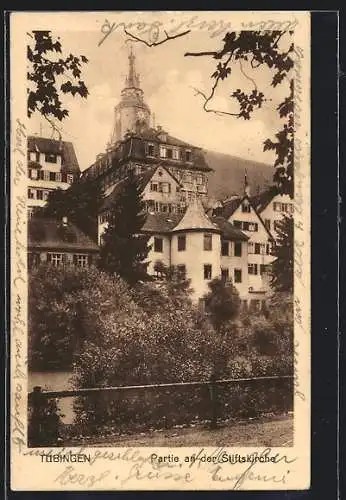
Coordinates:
[207,242]
[164,187]
[252,226]
[39,194]
[237,249]
[188,155]
[163,152]
[252,269]
[257,248]
[52,176]
[46,175]
[31,194]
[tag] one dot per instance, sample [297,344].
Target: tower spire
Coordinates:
[246,184]
[132,80]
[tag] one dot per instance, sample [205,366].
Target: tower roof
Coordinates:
[195,218]
[132,79]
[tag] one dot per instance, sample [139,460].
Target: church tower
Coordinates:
[132,114]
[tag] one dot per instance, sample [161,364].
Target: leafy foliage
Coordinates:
[112,336]
[282,267]
[256,49]
[123,250]
[64,309]
[51,75]
[80,203]
[222,302]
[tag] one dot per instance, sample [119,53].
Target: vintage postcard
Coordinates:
[160,250]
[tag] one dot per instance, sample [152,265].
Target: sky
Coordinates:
[167,79]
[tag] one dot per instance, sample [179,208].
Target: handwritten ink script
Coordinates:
[182,470]
[18,280]
[152,32]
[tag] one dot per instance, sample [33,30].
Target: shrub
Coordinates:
[65,307]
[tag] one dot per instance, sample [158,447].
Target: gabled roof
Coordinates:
[228,231]
[195,218]
[52,146]
[146,176]
[228,209]
[262,200]
[52,234]
[143,179]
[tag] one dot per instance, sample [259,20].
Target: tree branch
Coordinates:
[198,54]
[246,76]
[134,38]
[206,101]
[211,95]
[54,127]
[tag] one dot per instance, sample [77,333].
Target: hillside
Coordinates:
[229,171]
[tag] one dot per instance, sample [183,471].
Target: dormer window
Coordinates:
[176,154]
[163,152]
[50,158]
[169,153]
[151,150]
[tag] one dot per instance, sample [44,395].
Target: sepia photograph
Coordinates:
[161,283]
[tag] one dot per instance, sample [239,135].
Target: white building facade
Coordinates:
[52,165]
